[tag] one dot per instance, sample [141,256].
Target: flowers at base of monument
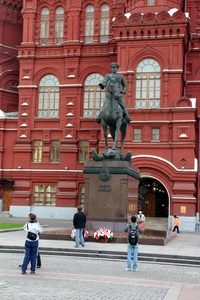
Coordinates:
[73,234]
[103,234]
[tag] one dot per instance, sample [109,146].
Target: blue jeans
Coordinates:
[79,237]
[132,250]
[31,252]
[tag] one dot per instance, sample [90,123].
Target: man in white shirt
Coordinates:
[141,216]
[33,230]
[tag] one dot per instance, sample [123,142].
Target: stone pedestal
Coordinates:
[111,194]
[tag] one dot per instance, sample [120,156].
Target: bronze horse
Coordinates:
[112,116]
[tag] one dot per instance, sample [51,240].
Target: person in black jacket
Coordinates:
[79,221]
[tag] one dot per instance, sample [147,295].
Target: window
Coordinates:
[37,151]
[55,151]
[89,24]
[48,106]
[44,27]
[59,23]
[81,195]
[104,23]
[155,134]
[83,151]
[93,96]
[137,134]
[44,194]
[150,2]
[148,84]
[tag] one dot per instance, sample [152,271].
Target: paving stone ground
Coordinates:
[91,279]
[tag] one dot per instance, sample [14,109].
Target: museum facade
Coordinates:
[48,131]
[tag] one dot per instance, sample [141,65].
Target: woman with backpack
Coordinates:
[133,230]
[38,261]
[33,229]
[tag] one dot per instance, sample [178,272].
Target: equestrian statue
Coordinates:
[113,114]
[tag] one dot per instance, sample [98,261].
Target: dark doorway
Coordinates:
[152,198]
[6,190]
[7,198]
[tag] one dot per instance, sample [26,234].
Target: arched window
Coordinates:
[59,24]
[93,96]
[147,84]
[89,24]
[104,23]
[48,103]
[44,27]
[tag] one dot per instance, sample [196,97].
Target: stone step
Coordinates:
[156,223]
[111,255]
[5,214]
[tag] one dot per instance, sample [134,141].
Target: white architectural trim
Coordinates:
[41,170]
[168,162]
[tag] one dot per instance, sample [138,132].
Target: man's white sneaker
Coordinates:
[135,270]
[128,269]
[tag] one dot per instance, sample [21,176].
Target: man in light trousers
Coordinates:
[132,249]
[79,221]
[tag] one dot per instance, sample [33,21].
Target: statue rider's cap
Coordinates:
[114,64]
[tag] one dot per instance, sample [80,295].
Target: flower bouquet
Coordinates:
[103,235]
[73,234]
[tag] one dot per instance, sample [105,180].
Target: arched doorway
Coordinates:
[153,198]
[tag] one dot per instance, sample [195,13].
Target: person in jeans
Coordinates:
[31,246]
[39,263]
[132,249]
[79,221]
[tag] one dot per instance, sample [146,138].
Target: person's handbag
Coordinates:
[31,235]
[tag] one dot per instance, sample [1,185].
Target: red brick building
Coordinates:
[10,37]
[66,50]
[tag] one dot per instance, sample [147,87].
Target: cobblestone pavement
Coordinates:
[90,279]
